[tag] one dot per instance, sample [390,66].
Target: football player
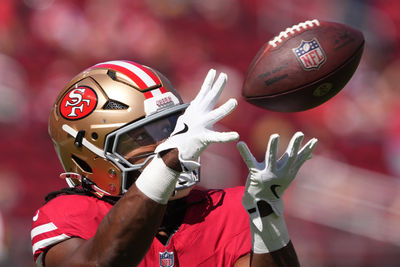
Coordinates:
[130,149]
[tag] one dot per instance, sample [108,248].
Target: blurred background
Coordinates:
[344,207]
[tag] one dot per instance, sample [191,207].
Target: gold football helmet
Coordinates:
[107,121]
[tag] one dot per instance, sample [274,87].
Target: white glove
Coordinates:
[194,129]
[269,179]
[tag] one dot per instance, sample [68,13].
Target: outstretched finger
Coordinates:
[305,153]
[247,156]
[222,111]
[222,137]
[272,152]
[293,147]
[213,95]
[207,85]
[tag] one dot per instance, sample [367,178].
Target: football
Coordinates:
[303,67]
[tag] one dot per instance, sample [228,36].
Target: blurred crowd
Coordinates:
[44,43]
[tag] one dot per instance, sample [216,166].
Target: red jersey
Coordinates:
[214,232]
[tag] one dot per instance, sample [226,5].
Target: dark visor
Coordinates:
[140,142]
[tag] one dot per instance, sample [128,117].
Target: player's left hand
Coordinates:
[268,180]
[194,129]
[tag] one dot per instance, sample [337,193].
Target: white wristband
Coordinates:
[157,181]
[187,165]
[274,234]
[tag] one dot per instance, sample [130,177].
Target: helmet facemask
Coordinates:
[132,146]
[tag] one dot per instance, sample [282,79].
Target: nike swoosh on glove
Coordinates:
[194,129]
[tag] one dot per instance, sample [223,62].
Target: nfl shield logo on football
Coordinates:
[310,54]
[166,259]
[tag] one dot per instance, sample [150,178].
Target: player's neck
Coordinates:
[172,220]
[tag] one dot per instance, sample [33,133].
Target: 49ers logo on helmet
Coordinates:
[78,103]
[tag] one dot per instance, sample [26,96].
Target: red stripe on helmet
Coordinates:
[148,94]
[145,69]
[140,83]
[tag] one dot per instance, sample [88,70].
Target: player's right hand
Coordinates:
[194,129]
[268,180]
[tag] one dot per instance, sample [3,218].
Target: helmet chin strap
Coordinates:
[69,176]
[85,182]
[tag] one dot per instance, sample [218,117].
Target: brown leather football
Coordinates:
[304,66]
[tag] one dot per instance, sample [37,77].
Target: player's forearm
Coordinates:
[271,243]
[127,231]
[272,247]
[284,257]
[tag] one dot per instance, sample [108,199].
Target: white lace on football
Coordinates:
[292,30]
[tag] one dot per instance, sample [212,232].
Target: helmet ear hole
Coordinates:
[82,164]
[95,136]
